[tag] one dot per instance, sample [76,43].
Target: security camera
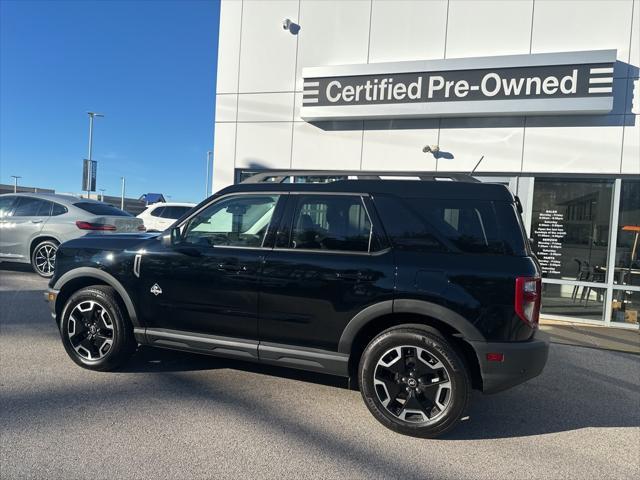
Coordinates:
[431,149]
[286,24]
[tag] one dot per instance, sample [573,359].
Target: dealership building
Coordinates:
[540,95]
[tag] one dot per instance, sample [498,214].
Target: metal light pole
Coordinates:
[15,182]
[206,178]
[102,190]
[91,117]
[122,193]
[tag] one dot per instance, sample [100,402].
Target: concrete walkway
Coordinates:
[606,338]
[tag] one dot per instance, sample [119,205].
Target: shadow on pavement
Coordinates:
[567,396]
[16,267]
[580,388]
[157,360]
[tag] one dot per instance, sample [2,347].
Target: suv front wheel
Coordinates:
[414,382]
[95,332]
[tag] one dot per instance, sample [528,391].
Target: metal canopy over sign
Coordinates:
[89,172]
[539,84]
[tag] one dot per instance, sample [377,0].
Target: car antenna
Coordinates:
[477,164]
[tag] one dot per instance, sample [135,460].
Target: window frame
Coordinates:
[285,230]
[273,222]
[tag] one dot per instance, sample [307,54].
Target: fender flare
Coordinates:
[91,272]
[40,236]
[420,307]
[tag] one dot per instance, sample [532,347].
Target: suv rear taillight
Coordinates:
[527,302]
[95,226]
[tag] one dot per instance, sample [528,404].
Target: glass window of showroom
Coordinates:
[586,233]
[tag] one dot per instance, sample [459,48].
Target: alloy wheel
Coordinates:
[90,330]
[413,385]
[45,258]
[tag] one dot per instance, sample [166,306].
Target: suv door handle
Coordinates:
[36,221]
[232,267]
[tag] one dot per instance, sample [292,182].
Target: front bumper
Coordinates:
[522,361]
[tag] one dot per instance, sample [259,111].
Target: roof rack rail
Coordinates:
[281,176]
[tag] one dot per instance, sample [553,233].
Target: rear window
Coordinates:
[462,226]
[102,209]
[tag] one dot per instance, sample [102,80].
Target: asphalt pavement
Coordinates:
[180,416]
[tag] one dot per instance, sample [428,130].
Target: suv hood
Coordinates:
[115,241]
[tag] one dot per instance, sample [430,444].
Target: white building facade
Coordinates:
[574,164]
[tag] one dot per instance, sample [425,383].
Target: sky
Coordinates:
[148,66]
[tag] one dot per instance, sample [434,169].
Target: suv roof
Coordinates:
[402,188]
[170,204]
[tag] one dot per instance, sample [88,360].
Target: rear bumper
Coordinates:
[522,361]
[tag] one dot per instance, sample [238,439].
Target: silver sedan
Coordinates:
[33,225]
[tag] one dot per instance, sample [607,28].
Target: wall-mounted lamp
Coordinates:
[435,149]
[293,27]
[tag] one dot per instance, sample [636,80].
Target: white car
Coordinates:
[160,216]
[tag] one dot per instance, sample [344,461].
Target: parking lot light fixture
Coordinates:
[122,193]
[15,182]
[92,115]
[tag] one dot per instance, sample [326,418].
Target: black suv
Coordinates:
[417,291]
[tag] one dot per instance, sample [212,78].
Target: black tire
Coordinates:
[43,258]
[437,390]
[89,347]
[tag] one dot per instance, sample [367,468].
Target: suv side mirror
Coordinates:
[172,238]
[174,235]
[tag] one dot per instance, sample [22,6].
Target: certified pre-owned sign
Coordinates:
[550,83]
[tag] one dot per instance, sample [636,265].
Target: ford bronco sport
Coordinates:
[417,291]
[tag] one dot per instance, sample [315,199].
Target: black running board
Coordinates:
[311,359]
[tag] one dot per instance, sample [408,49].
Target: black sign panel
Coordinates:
[89,172]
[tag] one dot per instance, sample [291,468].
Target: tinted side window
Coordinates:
[45,209]
[436,225]
[6,203]
[58,210]
[239,221]
[330,222]
[406,229]
[174,213]
[157,212]
[30,207]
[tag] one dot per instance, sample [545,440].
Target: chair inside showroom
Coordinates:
[582,275]
[596,274]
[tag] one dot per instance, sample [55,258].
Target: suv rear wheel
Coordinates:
[414,382]
[94,331]
[43,258]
